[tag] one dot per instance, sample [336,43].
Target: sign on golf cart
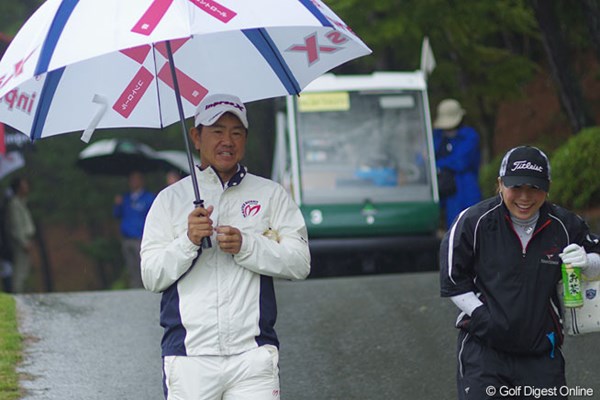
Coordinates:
[356,153]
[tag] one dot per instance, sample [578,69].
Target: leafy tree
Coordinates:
[14,13]
[560,66]
[483,50]
[591,11]
[486,52]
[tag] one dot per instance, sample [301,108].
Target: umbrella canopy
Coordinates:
[85,64]
[119,157]
[10,162]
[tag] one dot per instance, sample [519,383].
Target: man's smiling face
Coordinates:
[222,145]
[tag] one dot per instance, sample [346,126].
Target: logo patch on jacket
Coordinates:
[250,208]
[551,256]
[590,294]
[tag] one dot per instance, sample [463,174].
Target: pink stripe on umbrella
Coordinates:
[2,142]
[157,10]
[133,93]
[138,53]
[175,45]
[190,90]
[215,9]
[152,17]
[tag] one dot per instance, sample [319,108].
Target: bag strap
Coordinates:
[443,150]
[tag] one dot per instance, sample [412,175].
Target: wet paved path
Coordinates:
[91,345]
[369,337]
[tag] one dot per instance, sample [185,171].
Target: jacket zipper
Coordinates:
[545,224]
[560,337]
[524,248]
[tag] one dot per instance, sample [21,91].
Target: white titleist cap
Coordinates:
[212,107]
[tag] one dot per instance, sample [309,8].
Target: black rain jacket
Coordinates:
[482,253]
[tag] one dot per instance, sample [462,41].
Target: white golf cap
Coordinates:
[449,114]
[212,107]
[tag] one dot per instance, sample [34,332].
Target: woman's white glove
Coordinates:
[575,255]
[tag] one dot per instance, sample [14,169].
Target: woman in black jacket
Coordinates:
[500,263]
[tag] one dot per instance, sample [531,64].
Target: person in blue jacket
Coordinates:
[131,208]
[457,160]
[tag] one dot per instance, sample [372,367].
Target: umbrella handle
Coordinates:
[206,243]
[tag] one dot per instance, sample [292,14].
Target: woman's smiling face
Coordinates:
[522,201]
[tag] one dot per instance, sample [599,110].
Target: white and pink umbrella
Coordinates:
[80,65]
[88,64]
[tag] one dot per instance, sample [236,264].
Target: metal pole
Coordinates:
[198,202]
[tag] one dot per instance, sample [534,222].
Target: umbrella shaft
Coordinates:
[206,242]
[182,122]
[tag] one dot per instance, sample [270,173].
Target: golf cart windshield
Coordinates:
[363,145]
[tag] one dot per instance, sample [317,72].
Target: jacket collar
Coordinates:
[235,180]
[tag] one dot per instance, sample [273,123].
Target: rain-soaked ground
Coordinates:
[362,337]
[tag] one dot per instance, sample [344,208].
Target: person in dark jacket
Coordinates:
[131,208]
[457,159]
[500,263]
[21,233]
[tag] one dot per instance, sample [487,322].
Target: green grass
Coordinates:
[10,349]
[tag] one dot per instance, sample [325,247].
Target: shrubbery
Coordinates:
[576,171]
[488,177]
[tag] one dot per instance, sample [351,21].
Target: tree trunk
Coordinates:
[559,60]
[591,10]
[486,130]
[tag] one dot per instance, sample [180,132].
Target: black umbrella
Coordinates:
[119,157]
[176,160]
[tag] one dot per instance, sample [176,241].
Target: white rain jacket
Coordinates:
[215,303]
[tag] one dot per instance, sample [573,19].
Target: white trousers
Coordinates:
[253,375]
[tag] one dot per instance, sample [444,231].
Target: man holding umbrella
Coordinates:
[218,303]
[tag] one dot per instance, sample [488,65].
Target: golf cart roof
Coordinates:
[375,81]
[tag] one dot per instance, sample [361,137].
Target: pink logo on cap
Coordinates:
[223,102]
